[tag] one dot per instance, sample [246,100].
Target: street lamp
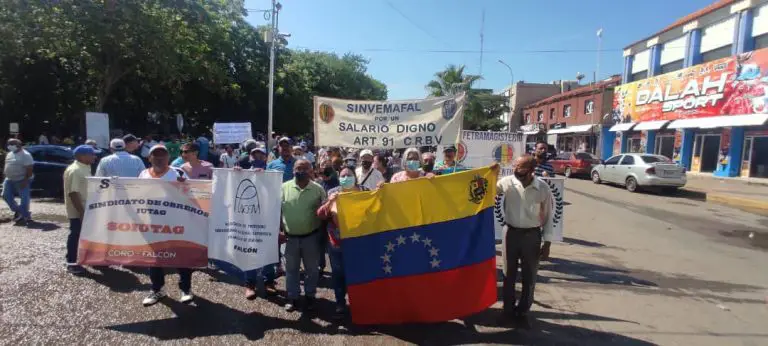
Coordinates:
[511,74]
[272,36]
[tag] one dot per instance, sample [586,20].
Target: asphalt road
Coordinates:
[634,269]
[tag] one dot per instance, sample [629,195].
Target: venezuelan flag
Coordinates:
[421,250]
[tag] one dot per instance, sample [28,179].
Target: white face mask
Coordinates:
[12,148]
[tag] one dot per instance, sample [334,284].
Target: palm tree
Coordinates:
[451,81]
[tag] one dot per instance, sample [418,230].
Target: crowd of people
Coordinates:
[312,181]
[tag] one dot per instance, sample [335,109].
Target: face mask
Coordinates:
[367,164]
[301,175]
[428,167]
[347,182]
[12,148]
[412,165]
[328,171]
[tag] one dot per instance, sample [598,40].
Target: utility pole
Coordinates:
[273,35]
[482,29]
[599,46]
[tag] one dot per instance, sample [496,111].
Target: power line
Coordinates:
[414,23]
[463,51]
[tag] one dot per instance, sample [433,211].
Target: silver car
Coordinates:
[640,170]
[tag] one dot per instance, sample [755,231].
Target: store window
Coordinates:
[551,114]
[527,118]
[672,55]
[540,116]
[717,39]
[760,27]
[567,111]
[589,107]
[640,65]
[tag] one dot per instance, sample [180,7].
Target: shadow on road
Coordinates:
[581,242]
[117,280]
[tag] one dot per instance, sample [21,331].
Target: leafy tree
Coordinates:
[451,81]
[482,109]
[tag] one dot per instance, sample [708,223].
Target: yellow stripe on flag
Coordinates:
[416,202]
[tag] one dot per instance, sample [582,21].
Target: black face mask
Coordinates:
[301,176]
[428,167]
[367,164]
[328,171]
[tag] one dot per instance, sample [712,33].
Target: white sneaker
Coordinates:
[153,298]
[186,297]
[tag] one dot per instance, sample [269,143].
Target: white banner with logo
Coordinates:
[245,220]
[482,148]
[97,128]
[231,133]
[388,124]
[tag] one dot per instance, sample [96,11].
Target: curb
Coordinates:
[746,204]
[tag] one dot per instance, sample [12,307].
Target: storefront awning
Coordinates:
[721,121]
[530,132]
[571,129]
[621,127]
[650,125]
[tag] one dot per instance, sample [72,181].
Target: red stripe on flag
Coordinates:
[432,297]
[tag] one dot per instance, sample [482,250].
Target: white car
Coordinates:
[636,171]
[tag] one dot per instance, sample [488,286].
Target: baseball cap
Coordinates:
[259,149]
[129,138]
[117,144]
[450,148]
[366,152]
[157,147]
[84,150]
[284,139]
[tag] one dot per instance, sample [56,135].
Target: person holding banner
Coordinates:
[411,167]
[527,207]
[301,197]
[75,193]
[328,212]
[366,174]
[194,167]
[428,162]
[256,159]
[160,169]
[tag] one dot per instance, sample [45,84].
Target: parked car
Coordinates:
[570,163]
[50,163]
[636,171]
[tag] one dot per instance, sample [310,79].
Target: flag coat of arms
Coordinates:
[421,250]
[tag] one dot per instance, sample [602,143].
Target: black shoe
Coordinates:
[16,217]
[75,269]
[290,306]
[310,304]
[340,312]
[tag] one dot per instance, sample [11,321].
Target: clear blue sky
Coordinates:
[514,31]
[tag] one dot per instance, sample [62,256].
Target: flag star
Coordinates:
[415,238]
[433,252]
[387,269]
[400,240]
[427,242]
[435,263]
[390,247]
[385,258]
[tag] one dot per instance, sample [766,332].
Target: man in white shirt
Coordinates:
[120,163]
[228,159]
[43,139]
[18,173]
[146,145]
[366,174]
[527,207]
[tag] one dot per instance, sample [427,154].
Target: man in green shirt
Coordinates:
[301,197]
[174,148]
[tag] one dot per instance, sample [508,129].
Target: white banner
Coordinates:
[482,148]
[145,222]
[388,124]
[231,133]
[97,128]
[245,220]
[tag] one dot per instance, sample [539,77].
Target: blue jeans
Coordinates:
[300,250]
[337,275]
[11,189]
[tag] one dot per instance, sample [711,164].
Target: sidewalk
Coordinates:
[749,195]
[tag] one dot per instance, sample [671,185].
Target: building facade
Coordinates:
[522,94]
[573,119]
[697,92]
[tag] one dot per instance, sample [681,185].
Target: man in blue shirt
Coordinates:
[285,162]
[543,167]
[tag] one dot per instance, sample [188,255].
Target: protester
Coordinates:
[329,178]
[368,177]
[285,162]
[204,146]
[527,205]
[256,159]
[449,164]
[298,153]
[411,167]
[120,163]
[337,164]
[349,161]
[228,159]
[132,145]
[92,143]
[43,139]
[543,167]
[308,153]
[75,194]
[148,143]
[160,169]
[329,212]
[194,167]
[18,179]
[174,148]
[427,162]
[246,148]
[301,197]
[380,164]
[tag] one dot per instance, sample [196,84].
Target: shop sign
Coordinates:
[736,85]
[557,126]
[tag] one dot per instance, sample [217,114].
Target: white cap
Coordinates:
[117,144]
[366,152]
[156,147]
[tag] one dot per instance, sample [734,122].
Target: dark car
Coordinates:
[50,163]
[570,164]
